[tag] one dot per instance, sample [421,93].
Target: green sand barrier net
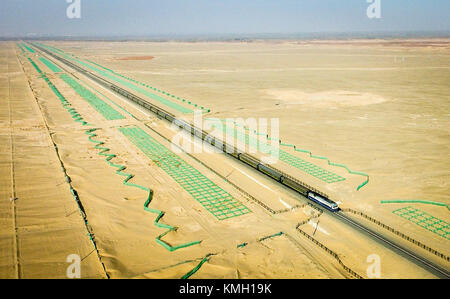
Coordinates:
[28,48]
[115,78]
[216,200]
[50,65]
[103,108]
[138,89]
[305,166]
[427,202]
[425,220]
[310,168]
[152,88]
[21,48]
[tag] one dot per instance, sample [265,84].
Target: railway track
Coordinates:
[288,180]
[414,257]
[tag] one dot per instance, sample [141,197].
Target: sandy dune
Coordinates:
[380,108]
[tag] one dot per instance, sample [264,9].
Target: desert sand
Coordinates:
[378,107]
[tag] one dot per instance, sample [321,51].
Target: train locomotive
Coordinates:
[311,195]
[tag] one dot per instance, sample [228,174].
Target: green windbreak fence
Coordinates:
[310,168]
[216,200]
[296,149]
[28,48]
[152,88]
[130,85]
[50,65]
[425,220]
[21,48]
[427,202]
[50,48]
[113,77]
[104,109]
[305,166]
[35,66]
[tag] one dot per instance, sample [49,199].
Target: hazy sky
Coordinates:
[187,17]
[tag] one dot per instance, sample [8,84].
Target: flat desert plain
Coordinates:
[379,107]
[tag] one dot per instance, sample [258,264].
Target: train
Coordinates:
[314,196]
[323,201]
[289,182]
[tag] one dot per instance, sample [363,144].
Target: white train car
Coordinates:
[324,202]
